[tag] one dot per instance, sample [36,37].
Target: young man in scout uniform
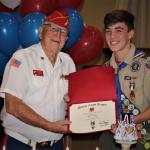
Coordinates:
[132,68]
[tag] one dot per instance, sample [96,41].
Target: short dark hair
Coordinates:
[119,15]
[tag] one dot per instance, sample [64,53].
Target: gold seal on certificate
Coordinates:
[92,105]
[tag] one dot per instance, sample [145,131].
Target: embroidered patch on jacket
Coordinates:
[38,73]
[135,66]
[15,63]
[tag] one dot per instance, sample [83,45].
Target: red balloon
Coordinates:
[54,4]
[42,6]
[3,8]
[88,47]
[75,4]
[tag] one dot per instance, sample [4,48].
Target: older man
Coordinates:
[34,87]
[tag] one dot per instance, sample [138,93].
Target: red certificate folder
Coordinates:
[92,105]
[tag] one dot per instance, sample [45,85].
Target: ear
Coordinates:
[66,38]
[40,32]
[131,34]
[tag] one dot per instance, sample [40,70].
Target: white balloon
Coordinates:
[11,3]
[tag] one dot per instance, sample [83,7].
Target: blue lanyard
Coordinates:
[119,103]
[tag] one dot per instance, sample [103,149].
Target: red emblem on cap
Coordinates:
[60,18]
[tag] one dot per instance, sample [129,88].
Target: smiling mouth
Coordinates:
[55,41]
[114,43]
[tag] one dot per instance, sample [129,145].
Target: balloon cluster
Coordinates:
[88,47]
[21,19]
[8,38]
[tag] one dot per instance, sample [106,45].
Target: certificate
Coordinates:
[92,105]
[92,117]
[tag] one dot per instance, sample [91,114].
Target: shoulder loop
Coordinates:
[139,53]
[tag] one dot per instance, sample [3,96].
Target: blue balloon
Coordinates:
[28,30]
[17,16]
[3,61]
[8,34]
[76,27]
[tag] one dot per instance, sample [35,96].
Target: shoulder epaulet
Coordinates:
[146,56]
[139,53]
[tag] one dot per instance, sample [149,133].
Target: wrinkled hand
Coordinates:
[60,126]
[66,97]
[113,128]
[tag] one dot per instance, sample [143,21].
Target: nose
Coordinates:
[112,34]
[58,33]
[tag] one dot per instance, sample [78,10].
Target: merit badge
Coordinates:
[122,97]
[135,112]
[126,102]
[125,110]
[135,66]
[131,107]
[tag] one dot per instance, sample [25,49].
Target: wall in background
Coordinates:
[93,11]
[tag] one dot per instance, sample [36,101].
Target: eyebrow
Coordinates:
[115,28]
[47,24]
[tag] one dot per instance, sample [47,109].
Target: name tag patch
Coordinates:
[38,73]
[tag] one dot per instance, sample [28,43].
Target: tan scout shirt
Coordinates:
[137,71]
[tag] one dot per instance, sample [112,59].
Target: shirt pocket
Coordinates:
[39,81]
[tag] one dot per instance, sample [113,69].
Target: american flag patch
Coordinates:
[15,63]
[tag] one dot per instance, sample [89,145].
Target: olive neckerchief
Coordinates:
[131,110]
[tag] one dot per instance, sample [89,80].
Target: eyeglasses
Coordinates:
[53,28]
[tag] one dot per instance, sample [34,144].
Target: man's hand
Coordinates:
[113,128]
[60,126]
[66,97]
